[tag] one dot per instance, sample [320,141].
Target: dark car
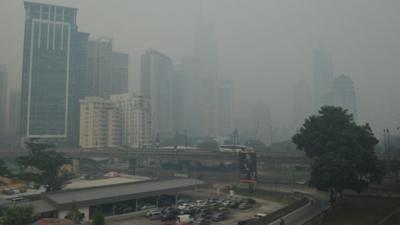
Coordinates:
[244,206]
[219,217]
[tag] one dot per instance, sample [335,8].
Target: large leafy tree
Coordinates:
[17,215]
[43,166]
[342,152]
[3,169]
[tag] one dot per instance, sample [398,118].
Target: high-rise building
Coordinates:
[13,107]
[53,63]
[323,76]
[155,81]
[100,123]
[193,100]
[136,120]
[344,94]
[302,103]
[3,97]
[178,100]
[120,73]
[99,81]
[225,107]
[205,52]
[262,123]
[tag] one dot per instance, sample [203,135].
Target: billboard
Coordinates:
[247,162]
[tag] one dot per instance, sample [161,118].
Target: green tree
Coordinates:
[75,215]
[256,144]
[342,152]
[43,165]
[17,215]
[209,145]
[3,169]
[98,219]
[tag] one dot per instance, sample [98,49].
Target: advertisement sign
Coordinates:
[247,167]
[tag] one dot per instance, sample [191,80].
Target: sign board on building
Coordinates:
[247,167]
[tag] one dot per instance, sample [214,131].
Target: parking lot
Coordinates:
[204,211]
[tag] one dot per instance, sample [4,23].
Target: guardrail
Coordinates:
[317,219]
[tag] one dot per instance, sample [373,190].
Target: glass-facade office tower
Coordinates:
[155,82]
[54,58]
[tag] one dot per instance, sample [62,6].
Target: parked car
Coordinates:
[152,212]
[219,217]
[244,206]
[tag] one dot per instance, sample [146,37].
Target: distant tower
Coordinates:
[302,103]
[323,76]
[205,51]
[120,73]
[99,82]
[3,97]
[262,123]
[344,94]
[54,57]
[155,82]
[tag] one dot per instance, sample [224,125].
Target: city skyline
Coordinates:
[342,50]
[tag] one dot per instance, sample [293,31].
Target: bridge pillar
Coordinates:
[132,166]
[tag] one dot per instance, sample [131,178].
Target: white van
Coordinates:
[184,219]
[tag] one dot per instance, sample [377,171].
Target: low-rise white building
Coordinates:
[136,126]
[100,123]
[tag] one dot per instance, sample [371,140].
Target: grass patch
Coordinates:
[361,210]
[273,196]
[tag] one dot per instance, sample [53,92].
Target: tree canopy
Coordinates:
[98,219]
[343,152]
[17,215]
[43,166]
[4,171]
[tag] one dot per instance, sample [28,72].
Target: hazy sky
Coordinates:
[265,46]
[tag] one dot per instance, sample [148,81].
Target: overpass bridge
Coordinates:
[140,154]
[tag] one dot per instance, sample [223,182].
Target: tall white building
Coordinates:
[136,130]
[100,123]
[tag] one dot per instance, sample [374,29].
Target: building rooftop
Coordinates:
[119,192]
[79,184]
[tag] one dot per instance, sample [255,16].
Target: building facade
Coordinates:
[136,130]
[120,73]
[155,83]
[344,94]
[52,67]
[3,98]
[14,108]
[323,77]
[100,123]
[99,81]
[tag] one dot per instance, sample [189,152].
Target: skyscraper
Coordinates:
[262,123]
[3,97]
[52,66]
[14,108]
[225,107]
[99,67]
[302,103]
[120,73]
[205,52]
[155,82]
[178,100]
[344,94]
[323,76]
